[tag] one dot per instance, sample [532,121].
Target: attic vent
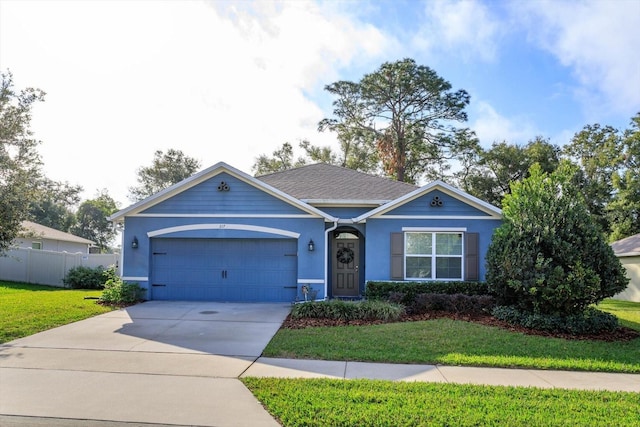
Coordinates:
[223,186]
[436,202]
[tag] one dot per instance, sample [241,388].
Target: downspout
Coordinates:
[326,257]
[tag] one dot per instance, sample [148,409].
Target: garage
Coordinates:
[247,270]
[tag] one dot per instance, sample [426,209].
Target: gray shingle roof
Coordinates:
[321,181]
[32,229]
[628,246]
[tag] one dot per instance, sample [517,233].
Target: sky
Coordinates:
[228,81]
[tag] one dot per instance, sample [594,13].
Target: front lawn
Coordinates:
[325,402]
[27,309]
[454,342]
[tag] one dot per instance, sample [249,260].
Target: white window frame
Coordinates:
[434,232]
[36,245]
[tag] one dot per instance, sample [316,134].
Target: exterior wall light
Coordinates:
[134,242]
[311,245]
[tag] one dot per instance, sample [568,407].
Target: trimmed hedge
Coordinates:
[382,290]
[85,278]
[591,321]
[348,310]
[454,303]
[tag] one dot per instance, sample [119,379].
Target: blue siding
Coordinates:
[241,198]
[378,250]
[345,212]
[451,206]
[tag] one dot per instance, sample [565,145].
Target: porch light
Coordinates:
[134,242]
[312,246]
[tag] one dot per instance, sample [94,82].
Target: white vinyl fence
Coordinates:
[48,267]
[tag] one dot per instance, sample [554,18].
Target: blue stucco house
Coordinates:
[323,230]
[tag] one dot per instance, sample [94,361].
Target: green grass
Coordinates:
[27,309]
[326,402]
[452,342]
[627,312]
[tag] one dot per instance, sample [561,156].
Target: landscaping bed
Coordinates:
[620,334]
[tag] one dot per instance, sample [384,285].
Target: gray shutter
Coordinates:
[397,256]
[471,256]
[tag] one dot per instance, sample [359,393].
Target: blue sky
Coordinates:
[228,81]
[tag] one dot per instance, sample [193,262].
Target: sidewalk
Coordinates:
[299,368]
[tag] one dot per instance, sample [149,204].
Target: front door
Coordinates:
[346,261]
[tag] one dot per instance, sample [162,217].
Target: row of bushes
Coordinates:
[348,310]
[590,321]
[452,303]
[383,290]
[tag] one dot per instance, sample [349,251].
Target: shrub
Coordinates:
[348,310]
[590,321]
[85,278]
[383,290]
[548,256]
[118,292]
[456,303]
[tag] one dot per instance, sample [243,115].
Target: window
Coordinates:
[36,245]
[433,255]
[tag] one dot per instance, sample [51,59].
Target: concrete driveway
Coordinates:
[157,362]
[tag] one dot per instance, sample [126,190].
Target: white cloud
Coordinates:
[598,40]
[491,126]
[223,83]
[462,28]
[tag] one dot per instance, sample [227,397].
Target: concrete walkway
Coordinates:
[180,363]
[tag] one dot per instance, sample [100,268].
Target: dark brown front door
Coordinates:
[346,260]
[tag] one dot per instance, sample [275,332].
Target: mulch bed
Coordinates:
[620,334]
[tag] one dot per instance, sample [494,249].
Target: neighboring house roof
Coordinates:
[483,206]
[629,246]
[323,183]
[34,230]
[209,173]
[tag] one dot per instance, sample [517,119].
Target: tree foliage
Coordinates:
[54,204]
[549,256]
[166,169]
[19,160]
[281,160]
[92,221]
[404,109]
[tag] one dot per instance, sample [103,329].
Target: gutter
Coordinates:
[326,257]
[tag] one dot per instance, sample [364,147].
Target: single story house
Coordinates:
[628,251]
[318,231]
[37,236]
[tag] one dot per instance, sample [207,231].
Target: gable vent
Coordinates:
[223,186]
[437,202]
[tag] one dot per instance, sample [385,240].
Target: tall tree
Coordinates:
[624,210]
[503,164]
[406,108]
[92,221]
[166,169]
[54,204]
[599,153]
[19,160]
[281,160]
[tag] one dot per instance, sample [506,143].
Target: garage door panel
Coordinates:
[224,269]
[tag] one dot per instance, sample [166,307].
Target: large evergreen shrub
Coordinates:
[549,257]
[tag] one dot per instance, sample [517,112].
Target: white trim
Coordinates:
[137,278]
[205,175]
[436,229]
[492,211]
[345,203]
[169,215]
[243,227]
[434,257]
[628,254]
[432,217]
[311,281]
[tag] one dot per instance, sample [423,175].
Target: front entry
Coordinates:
[345,277]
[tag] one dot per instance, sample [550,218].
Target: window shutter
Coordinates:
[471,256]
[397,256]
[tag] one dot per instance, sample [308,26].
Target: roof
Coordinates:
[321,182]
[629,246]
[45,232]
[208,174]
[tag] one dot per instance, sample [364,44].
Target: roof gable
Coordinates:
[321,183]
[219,169]
[464,204]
